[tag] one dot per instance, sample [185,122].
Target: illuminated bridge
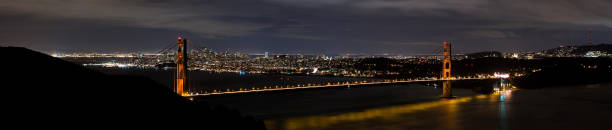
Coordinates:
[445,77]
[343,84]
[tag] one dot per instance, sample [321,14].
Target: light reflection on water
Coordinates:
[385,113]
[505,94]
[449,113]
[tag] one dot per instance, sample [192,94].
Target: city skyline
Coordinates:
[308,27]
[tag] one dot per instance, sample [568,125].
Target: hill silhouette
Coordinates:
[40,89]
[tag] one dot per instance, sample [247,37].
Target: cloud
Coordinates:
[490,34]
[303,37]
[197,18]
[209,18]
[400,43]
[400,25]
[588,12]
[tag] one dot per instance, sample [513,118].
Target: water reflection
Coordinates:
[503,120]
[505,94]
[450,112]
[386,113]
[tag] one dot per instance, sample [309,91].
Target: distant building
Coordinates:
[266,55]
[515,55]
[594,54]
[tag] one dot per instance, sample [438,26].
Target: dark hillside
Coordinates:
[40,89]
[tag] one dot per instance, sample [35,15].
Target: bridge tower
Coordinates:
[446,61]
[181,66]
[446,72]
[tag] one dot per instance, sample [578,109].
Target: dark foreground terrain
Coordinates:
[42,91]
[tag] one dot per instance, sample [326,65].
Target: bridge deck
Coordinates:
[331,85]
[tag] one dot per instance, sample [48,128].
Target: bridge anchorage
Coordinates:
[447,91]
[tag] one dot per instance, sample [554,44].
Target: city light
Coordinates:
[501,75]
[110,64]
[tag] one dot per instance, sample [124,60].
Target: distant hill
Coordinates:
[40,89]
[601,47]
[484,54]
[376,64]
[579,49]
[566,72]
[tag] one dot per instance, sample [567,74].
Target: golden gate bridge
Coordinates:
[445,76]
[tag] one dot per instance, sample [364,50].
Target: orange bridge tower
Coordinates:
[446,72]
[181,66]
[446,60]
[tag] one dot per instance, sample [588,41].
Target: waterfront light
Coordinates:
[501,75]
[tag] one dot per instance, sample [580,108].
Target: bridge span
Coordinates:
[253,90]
[181,77]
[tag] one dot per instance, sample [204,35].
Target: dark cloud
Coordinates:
[490,34]
[305,26]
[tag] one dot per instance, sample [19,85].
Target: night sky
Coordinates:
[304,26]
